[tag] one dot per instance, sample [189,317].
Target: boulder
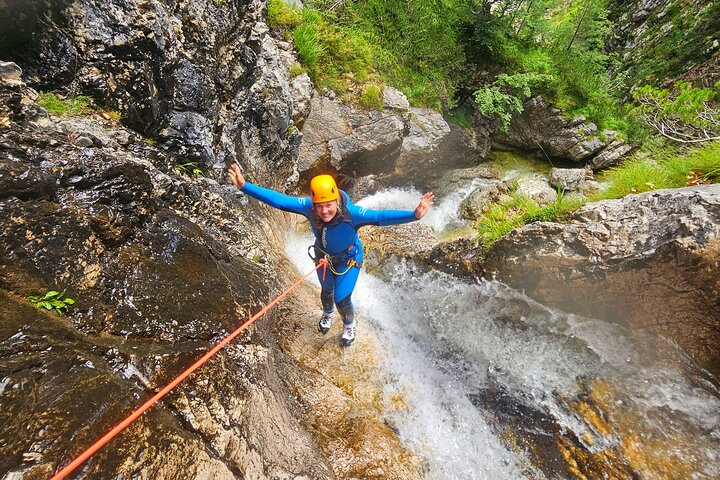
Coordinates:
[392,144]
[539,126]
[394,99]
[484,194]
[567,179]
[647,261]
[326,121]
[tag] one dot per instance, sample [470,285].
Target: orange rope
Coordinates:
[133,416]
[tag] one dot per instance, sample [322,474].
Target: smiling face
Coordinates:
[326,210]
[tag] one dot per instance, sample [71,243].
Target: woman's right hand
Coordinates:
[236,176]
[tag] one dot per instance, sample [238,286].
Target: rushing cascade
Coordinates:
[499,386]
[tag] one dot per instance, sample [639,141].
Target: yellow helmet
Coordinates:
[323,189]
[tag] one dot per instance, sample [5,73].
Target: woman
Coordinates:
[335,221]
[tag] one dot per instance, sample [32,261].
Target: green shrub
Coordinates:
[505,96]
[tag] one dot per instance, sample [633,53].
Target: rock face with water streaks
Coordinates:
[204,78]
[160,264]
[650,261]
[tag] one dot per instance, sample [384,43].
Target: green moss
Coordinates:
[371,97]
[60,106]
[296,69]
[282,15]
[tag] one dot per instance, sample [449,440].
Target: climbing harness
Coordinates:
[134,415]
[330,259]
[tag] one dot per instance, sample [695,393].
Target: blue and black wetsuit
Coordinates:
[339,238]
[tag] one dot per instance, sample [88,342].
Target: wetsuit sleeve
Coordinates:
[382,218]
[278,200]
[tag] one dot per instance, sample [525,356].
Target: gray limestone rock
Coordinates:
[569,179]
[647,261]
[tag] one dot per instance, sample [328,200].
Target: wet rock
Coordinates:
[461,257]
[340,395]
[486,193]
[611,155]
[537,187]
[646,261]
[371,147]
[457,178]
[406,241]
[394,144]
[327,121]
[160,265]
[205,78]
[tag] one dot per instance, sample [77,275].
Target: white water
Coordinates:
[445,339]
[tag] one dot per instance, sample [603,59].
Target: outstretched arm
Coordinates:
[425,203]
[271,197]
[384,218]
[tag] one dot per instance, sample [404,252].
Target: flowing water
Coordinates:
[498,386]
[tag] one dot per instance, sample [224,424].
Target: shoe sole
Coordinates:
[347,343]
[323,330]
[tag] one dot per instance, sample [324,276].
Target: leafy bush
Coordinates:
[504,97]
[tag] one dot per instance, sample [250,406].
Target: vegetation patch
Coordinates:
[517,210]
[371,97]
[668,170]
[77,105]
[53,300]
[189,168]
[66,106]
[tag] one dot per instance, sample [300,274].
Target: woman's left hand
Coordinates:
[425,203]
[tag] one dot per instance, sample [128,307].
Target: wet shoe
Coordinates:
[325,323]
[348,336]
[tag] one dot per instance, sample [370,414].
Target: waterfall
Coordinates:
[446,341]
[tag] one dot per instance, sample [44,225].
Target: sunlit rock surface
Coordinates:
[648,260]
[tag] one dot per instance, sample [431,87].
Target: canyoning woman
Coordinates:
[335,221]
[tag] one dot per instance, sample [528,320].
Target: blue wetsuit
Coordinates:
[339,238]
